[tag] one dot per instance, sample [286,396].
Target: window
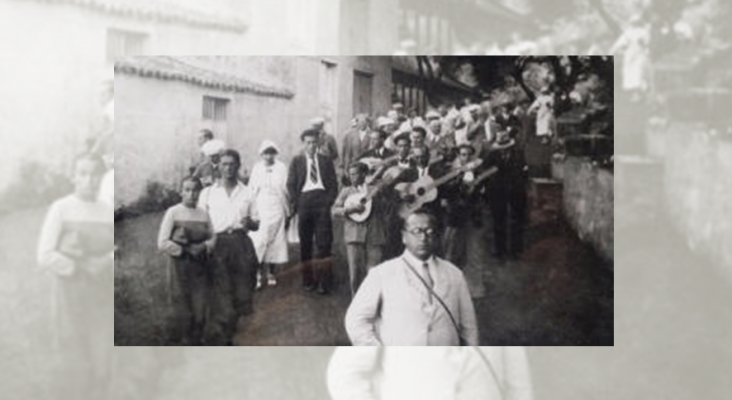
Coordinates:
[214,108]
[122,43]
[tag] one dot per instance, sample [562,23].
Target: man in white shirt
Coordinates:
[435,373]
[232,209]
[416,299]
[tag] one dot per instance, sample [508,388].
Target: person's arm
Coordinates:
[339,209]
[211,242]
[468,320]
[165,244]
[517,379]
[49,258]
[363,312]
[292,188]
[352,372]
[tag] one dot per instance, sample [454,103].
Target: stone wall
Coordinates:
[698,189]
[589,203]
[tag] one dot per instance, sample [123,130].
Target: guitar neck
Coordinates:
[485,175]
[451,175]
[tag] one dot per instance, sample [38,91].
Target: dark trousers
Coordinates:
[509,219]
[233,276]
[316,233]
[193,281]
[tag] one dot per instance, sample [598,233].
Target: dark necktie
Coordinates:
[428,279]
[428,276]
[314,170]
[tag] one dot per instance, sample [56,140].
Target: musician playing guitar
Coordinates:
[365,240]
[462,205]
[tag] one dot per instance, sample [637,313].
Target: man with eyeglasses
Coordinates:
[416,299]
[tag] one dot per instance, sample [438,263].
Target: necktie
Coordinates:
[428,278]
[314,170]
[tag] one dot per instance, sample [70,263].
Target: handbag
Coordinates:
[463,342]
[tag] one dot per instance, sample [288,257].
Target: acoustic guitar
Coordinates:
[416,194]
[367,199]
[480,178]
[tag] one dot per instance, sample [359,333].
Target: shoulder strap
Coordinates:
[438,298]
[488,364]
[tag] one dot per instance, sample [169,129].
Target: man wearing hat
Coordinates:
[459,203]
[507,195]
[208,171]
[312,186]
[327,145]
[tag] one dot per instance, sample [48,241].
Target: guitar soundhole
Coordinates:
[421,191]
[363,202]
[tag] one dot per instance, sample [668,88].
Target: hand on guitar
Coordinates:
[355,209]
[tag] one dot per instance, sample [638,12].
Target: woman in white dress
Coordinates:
[634,43]
[543,106]
[268,182]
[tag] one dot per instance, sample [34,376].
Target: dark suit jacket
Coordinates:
[354,147]
[299,174]
[373,154]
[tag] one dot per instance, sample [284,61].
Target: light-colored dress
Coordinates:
[636,58]
[80,235]
[269,185]
[545,121]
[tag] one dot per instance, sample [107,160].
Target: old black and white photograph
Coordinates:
[64,275]
[397,200]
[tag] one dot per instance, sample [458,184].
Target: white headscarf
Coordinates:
[268,144]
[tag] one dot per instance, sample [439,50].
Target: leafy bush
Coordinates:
[157,197]
[35,184]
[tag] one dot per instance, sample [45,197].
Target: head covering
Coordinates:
[213,147]
[397,105]
[317,121]
[404,135]
[466,145]
[384,121]
[268,144]
[432,115]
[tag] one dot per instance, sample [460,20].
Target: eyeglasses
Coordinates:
[428,232]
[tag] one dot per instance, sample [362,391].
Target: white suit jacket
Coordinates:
[429,373]
[392,308]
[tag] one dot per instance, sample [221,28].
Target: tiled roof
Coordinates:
[154,10]
[196,73]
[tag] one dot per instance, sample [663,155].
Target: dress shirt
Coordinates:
[309,185]
[227,211]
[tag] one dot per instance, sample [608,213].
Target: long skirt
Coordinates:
[270,241]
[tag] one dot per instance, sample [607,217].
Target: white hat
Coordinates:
[317,121]
[268,144]
[432,114]
[384,121]
[213,147]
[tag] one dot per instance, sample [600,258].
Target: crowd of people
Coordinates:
[413,191]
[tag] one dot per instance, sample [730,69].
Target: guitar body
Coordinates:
[423,190]
[353,201]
